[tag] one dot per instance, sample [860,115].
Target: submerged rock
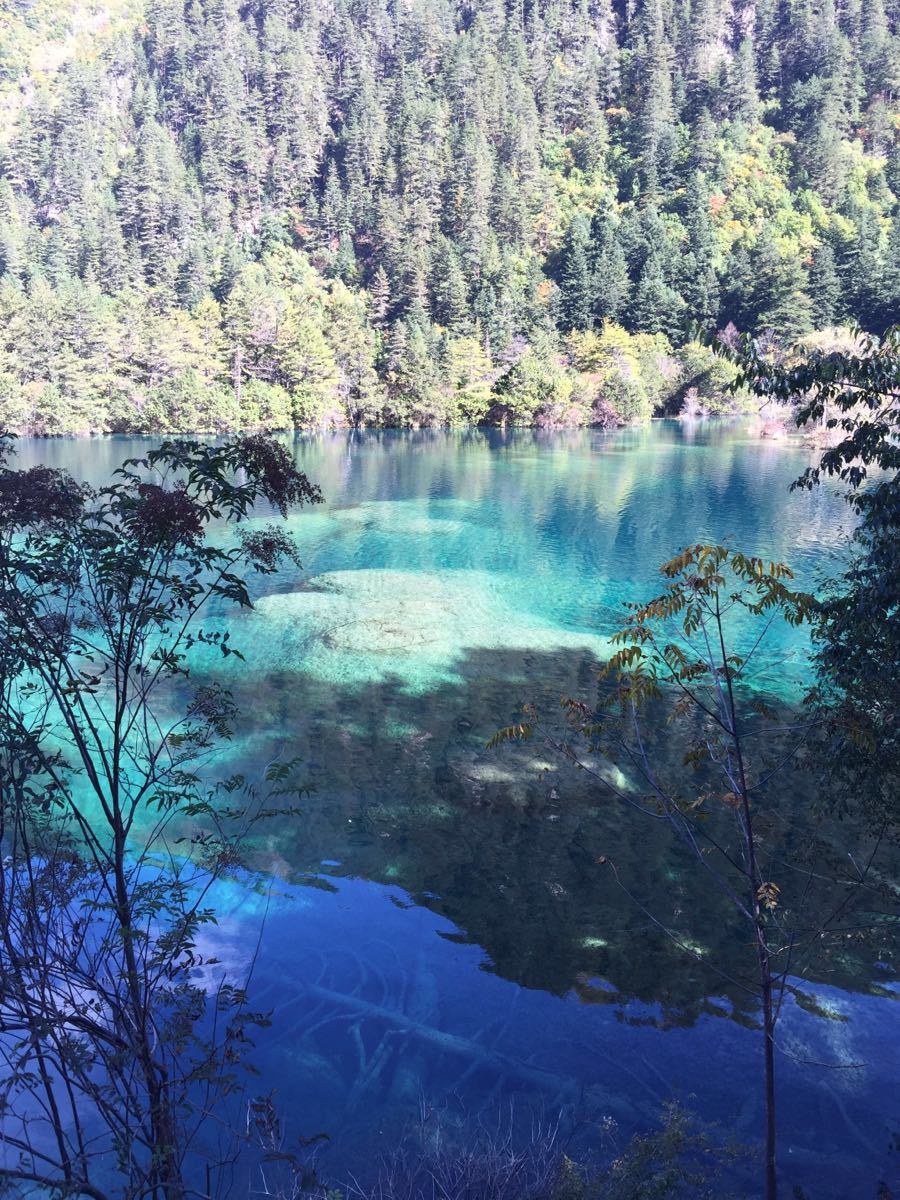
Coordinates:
[368,625]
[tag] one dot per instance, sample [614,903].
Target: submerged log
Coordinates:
[562,1090]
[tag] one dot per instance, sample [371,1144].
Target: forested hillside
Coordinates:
[300,212]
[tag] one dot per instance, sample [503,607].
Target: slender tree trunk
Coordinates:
[762,944]
[162,1121]
[238,372]
[769,1033]
[765,988]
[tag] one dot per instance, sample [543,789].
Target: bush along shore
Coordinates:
[339,374]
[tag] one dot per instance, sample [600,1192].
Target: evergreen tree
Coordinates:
[780,301]
[450,291]
[743,94]
[576,278]
[862,267]
[698,282]
[824,285]
[655,306]
[889,308]
[612,283]
[380,298]
[655,118]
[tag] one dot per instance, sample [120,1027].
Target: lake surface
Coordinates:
[436,925]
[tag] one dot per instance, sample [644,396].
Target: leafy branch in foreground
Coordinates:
[854,394]
[678,656]
[854,391]
[117,1040]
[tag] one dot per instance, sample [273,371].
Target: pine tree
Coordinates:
[780,301]
[344,265]
[697,276]
[656,134]
[824,285]
[612,282]
[451,301]
[576,278]
[861,266]
[655,306]
[878,49]
[331,210]
[704,137]
[13,251]
[380,298]
[888,312]
[743,94]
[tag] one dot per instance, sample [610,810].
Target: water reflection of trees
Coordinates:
[648,487]
[505,843]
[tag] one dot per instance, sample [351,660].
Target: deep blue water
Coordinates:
[435,926]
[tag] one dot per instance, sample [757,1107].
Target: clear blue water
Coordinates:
[437,926]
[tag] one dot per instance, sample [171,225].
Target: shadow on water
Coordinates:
[504,843]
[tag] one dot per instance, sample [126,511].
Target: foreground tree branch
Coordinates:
[106,1039]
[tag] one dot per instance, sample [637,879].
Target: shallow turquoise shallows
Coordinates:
[437,925]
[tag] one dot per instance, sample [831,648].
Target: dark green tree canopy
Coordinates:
[180,201]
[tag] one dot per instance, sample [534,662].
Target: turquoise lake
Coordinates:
[435,926]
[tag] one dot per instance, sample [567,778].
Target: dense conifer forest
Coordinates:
[294,213]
